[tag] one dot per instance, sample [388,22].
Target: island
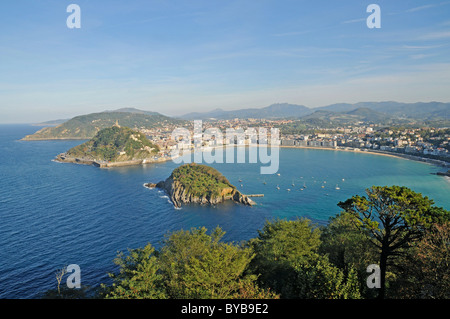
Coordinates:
[113,146]
[199,184]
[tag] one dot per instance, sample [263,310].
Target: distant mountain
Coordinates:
[371,111]
[87,126]
[279,110]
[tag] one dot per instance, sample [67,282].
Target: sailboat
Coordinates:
[278,187]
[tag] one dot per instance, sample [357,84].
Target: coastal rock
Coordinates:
[444,173]
[181,187]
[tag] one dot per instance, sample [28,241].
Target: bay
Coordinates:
[54,214]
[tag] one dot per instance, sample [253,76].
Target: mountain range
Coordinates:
[368,110]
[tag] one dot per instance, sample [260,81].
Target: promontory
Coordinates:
[113,146]
[199,184]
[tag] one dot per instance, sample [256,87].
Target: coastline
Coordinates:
[101,164]
[61,158]
[379,153]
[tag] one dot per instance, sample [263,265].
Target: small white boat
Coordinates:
[337,187]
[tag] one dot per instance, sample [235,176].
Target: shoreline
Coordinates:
[101,164]
[62,159]
[379,153]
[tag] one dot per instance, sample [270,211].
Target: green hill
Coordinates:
[115,144]
[199,184]
[86,126]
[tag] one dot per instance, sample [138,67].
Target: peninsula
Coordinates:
[200,184]
[114,146]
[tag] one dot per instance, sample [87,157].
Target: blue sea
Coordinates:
[54,214]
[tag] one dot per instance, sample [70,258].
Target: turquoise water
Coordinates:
[54,214]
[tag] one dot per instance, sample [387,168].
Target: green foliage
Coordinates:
[287,259]
[191,264]
[319,279]
[348,247]
[279,246]
[201,180]
[425,270]
[138,277]
[108,144]
[197,265]
[395,218]
[87,126]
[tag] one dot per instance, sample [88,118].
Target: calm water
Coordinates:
[54,214]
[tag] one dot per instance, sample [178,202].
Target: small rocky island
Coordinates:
[113,146]
[200,184]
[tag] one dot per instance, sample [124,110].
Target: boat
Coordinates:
[278,174]
[278,187]
[337,187]
[288,189]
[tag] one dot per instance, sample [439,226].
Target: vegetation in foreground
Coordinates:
[393,227]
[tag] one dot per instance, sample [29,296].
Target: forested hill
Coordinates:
[86,126]
[115,144]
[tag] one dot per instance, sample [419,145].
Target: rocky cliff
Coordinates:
[181,188]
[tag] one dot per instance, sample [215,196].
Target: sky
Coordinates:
[178,56]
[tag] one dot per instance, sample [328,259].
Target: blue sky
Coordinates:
[176,57]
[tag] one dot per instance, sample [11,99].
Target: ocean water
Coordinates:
[54,214]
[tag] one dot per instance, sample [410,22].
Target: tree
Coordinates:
[279,246]
[347,247]
[394,217]
[138,277]
[319,279]
[427,274]
[200,266]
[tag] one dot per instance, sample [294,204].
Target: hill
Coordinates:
[279,110]
[86,126]
[200,184]
[373,111]
[114,144]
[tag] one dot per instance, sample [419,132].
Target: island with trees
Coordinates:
[113,146]
[200,184]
